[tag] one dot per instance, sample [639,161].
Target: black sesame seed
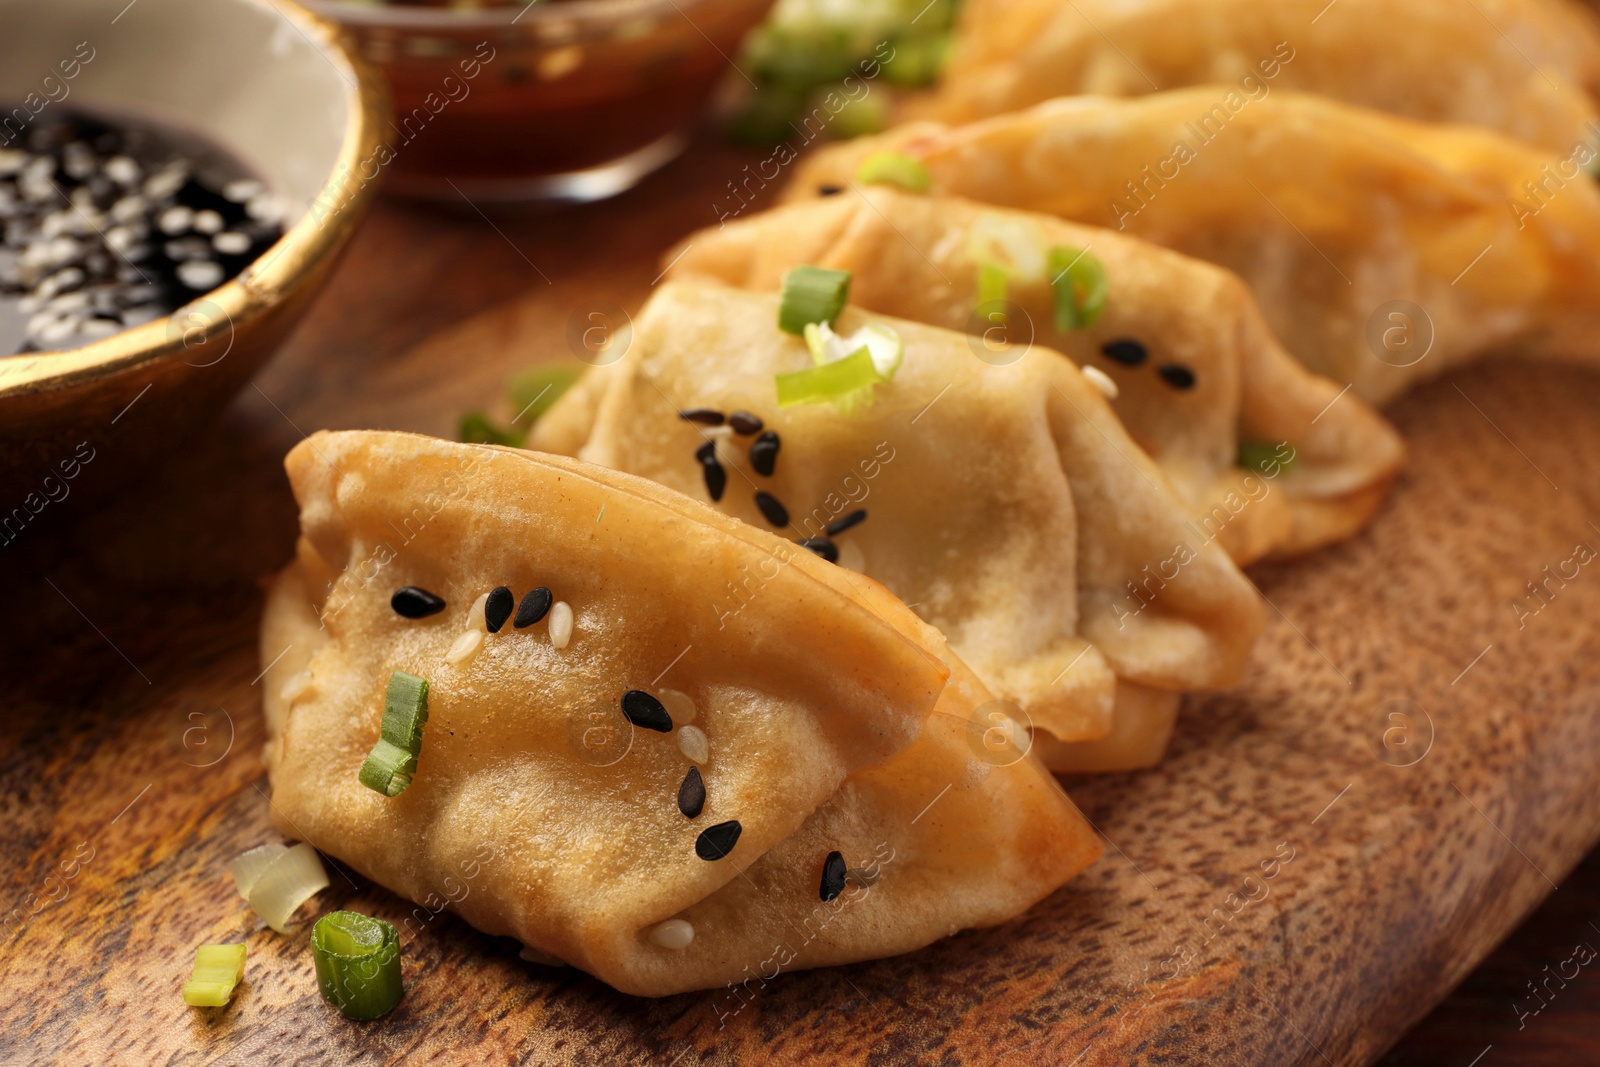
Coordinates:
[717,841]
[644,710]
[764,453]
[497,609]
[704,416]
[533,607]
[1176,375]
[744,424]
[829,190]
[716,477]
[692,793]
[833,871]
[844,522]
[413,602]
[1125,351]
[773,509]
[822,547]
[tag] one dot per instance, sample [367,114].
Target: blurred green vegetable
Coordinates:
[807,48]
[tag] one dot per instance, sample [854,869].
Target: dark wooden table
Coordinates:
[129,773]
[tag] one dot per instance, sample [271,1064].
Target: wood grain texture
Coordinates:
[130,771]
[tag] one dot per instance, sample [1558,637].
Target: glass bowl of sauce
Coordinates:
[569,100]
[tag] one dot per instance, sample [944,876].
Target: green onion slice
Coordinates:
[292,879]
[829,383]
[1079,281]
[358,963]
[476,429]
[405,711]
[895,168]
[1016,244]
[248,867]
[217,969]
[388,768]
[882,343]
[1260,455]
[993,282]
[812,294]
[392,763]
[534,391]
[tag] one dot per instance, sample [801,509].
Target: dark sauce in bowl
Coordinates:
[111,222]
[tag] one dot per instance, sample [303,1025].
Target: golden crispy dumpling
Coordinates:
[1522,67]
[1003,501]
[1197,371]
[1382,251]
[548,806]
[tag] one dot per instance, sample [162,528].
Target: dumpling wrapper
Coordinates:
[1006,504]
[1360,234]
[1524,68]
[914,257]
[826,707]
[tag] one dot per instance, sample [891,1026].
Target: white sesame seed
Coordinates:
[241,189]
[231,243]
[128,208]
[264,208]
[208,222]
[673,934]
[199,274]
[122,170]
[176,220]
[679,705]
[475,615]
[1101,381]
[560,624]
[296,686]
[138,316]
[164,183]
[692,742]
[465,648]
[98,329]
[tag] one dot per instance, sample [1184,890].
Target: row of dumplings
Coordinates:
[1282,233]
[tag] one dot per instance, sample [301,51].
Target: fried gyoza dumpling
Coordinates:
[1002,501]
[1382,251]
[614,770]
[1197,372]
[1522,67]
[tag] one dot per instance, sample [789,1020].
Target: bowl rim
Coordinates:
[568,20]
[271,278]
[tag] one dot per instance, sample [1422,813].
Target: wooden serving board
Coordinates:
[1287,888]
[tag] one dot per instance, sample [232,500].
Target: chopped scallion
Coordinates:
[812,294]
[392,763]
[358,963]
[217,970]
[534,391]
[248,867]
[476,429]
[993,283]
[405,710]
[388,768]
[288,882]
[895,168]
[829,382]
[1081,289]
